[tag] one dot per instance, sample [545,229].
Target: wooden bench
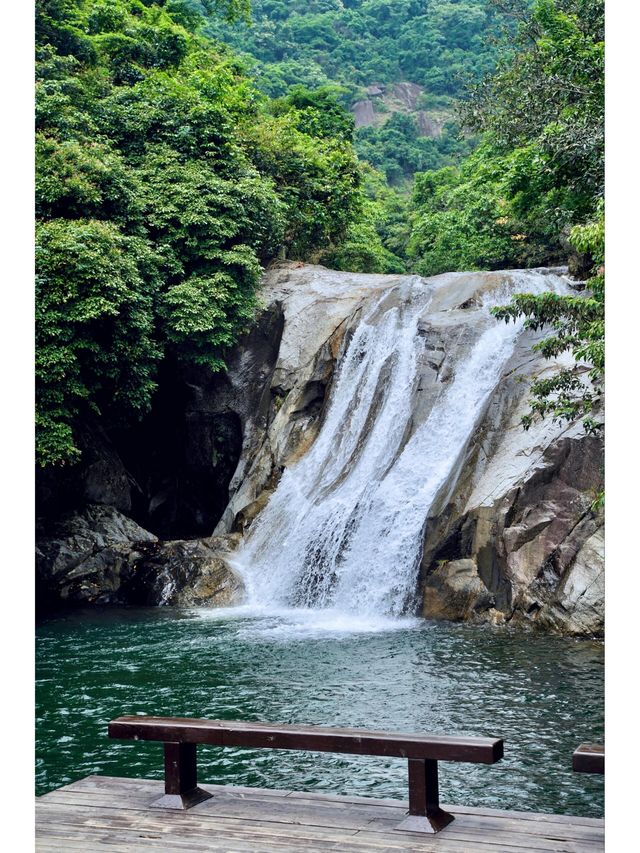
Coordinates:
[589,758]
[181,735]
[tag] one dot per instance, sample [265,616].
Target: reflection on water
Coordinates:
[543,695]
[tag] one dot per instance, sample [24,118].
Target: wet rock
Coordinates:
[504,535]
[521,511]
[455,591]
[102,557]
[187,573]
[85,557]
[317,309]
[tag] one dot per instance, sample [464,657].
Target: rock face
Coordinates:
[430,125]
[363,113]
[187,483]
[398,98]
[520,519]
[316,308]
[455,591]
[102,557]
[510,538]
[88,555]
[514,540]
[187,573]
[101,478]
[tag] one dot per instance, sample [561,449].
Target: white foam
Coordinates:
[292,623]
[337,548]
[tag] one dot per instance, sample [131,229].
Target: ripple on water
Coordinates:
[544,695]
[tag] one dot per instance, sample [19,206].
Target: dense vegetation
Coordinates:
[530,194]
[351,44]
[164,179]
[543,116]
[578,327]
[540,167]
[358,42]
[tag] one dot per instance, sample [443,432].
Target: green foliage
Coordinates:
[94,327]
[164,179]
[437,44]
[319,111]
[578,328]
[551,93]
[500,208]
[460,218]
[430,42]
[362,249]
[318,183]
[376,242]
[533,189]
[539,170]
[399,148]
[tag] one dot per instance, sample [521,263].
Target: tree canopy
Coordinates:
[540,167]
[533,190]
[170,169]
[164,181]
[438,45]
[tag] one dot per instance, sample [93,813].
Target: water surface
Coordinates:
[543,695]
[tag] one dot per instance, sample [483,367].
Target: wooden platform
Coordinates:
[103,812]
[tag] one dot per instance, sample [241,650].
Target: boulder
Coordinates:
[100,556]
[363,113]
[455,591]
[86,555]
[187,573]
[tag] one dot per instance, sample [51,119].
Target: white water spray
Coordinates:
[344,528]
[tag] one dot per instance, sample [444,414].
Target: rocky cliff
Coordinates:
[510,538]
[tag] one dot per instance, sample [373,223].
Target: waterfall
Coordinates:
[345,526]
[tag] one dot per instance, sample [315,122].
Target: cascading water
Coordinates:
[344,528]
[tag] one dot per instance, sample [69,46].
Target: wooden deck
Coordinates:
[104,812]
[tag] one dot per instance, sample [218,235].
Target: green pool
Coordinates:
[542,694]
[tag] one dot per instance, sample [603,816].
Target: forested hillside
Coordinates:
[533,191]
[170,170]
[363,49]
[539,169]
[164,180]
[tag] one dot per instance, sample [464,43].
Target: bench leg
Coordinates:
[180,778]
[425,814]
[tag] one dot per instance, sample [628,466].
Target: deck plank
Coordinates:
[249,803]
[245,809]
[105,812]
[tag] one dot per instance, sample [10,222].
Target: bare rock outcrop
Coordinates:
[100,556]
[364,114]
[521,513]
[317,306]
[404,98]
[511,537]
